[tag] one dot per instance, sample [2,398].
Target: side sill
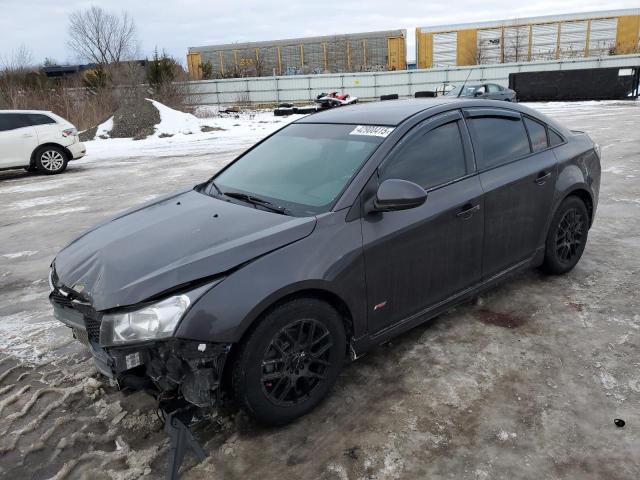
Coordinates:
[361,345]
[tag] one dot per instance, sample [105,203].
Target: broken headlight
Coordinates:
[151,322]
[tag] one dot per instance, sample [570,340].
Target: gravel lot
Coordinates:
[524,382]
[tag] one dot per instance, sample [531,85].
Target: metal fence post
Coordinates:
[375,85]
[277,91]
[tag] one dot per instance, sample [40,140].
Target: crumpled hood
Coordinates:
[170,242]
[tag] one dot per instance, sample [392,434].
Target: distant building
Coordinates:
[61,71]
[357,52]
[553,37]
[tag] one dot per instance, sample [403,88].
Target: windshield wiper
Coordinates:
[257,201]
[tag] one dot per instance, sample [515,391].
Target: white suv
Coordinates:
[37,140]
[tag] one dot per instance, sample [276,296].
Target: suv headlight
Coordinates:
[154,321]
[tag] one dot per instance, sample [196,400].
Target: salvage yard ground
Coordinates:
[523,382]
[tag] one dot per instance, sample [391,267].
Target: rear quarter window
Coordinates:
[498,140]
[537,134]
[39,119]
[554,138]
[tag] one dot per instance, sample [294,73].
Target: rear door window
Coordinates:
[537,134]
[12,121]
[493,88]
[429,159]
[498,140]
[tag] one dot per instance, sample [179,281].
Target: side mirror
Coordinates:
[394,194]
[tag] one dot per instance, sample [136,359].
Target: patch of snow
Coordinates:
[231,134]
[614,169]
[204,111]
[608,380]
[56,211]
[173,122]
[504,436]
[26,253]
[41,201]
[104,129]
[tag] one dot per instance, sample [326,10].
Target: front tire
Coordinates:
[288,363]
[51,160]
[567,236]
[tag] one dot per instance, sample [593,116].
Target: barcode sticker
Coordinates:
[372,131]
[133,360]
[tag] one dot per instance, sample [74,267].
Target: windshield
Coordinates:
[468,91]
[303,168]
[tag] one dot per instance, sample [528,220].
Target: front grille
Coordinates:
[60,299]
[93,328]
[92,318]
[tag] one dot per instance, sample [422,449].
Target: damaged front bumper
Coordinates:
[170,367]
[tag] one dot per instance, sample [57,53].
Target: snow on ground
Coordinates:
[104,129]
[180,134]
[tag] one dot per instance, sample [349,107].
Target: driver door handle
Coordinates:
[542,177]
[468,211]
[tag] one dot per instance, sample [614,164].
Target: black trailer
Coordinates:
[617,83]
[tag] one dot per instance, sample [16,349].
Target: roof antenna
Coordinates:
[465,82]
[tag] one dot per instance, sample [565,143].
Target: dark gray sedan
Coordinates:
[490,91]
[334,234]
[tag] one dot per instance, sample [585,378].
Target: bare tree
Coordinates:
[481,54]
[516,48]
[19,60]
[102,37]
[15,70]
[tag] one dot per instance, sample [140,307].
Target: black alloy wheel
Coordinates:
[296,362]
[570,235]
[289,360]
[567,236]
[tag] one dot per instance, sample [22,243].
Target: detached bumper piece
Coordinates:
[181,440]
[184,375]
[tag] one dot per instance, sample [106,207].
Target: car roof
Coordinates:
[395,112]
[390,112]
[26,111]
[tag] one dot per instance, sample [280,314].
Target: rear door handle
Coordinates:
[468,211]
[542,177]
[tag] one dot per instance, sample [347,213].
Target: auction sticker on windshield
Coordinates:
[372,131]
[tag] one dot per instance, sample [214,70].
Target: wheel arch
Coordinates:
[264,308]
[32,161]
[319,293]
[583,194]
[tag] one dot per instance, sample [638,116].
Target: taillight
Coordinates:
[69,132]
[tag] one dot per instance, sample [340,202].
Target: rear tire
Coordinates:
[567,236]
[288,363]
[51,160]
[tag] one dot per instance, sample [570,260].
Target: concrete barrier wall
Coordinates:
[371,85]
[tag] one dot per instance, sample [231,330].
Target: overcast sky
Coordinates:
[175,25]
